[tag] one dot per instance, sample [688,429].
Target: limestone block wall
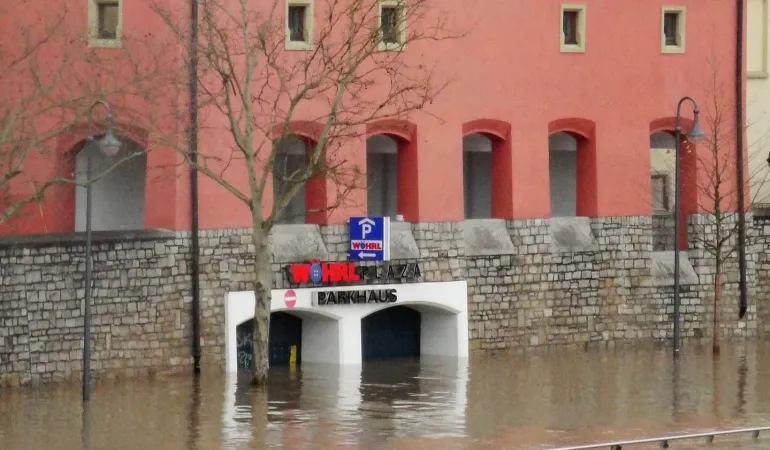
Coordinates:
[530,283]
[759,253]
[702,254]
[542,295]
[663,231]
[140,307]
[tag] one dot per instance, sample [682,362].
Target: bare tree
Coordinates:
[352,67]
[710,172]
[718,227]
[49,80]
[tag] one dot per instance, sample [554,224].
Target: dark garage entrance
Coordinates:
[285,332]
[391,333]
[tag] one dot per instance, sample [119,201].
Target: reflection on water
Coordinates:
[533,400]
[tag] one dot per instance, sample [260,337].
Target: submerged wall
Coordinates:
[530,283]
[759,249]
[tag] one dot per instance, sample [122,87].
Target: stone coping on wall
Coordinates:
[487,237]
[402,243]
[761,211]
[297,242]
[300,242]
[662,269]
[79,238]
[572,235]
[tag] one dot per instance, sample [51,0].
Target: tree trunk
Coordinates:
[717,296]
[263,286]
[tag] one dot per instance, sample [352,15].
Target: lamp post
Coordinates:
[694,134]
[109,145]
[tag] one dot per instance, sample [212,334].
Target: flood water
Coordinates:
[535,400]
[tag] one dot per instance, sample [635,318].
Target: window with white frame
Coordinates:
[673,30]
[382,176]
[573,28]
[105,22]
[291,156]
[299,24]
[392,24]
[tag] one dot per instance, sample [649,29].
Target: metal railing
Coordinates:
[664,441]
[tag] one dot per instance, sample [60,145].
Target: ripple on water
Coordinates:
[532,401]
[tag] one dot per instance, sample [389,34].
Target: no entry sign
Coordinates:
[290,298]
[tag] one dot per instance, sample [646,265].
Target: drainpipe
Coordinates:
[739,157]
[196,295]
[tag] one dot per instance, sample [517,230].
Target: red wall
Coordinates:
[509,69]
[128,77]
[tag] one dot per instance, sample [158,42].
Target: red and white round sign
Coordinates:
[290,298]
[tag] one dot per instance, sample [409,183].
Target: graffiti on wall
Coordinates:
[244,335]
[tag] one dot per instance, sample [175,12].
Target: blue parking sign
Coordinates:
[369,239]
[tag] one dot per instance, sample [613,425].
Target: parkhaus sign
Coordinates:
[316,272]
[354,297]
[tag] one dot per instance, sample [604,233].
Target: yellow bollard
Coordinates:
[293,358]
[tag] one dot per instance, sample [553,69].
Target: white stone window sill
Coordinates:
[672,50]
[386,47]
[105,43]
[573,48]
[298,46]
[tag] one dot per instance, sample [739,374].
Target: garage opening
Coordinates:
[285,341]
[391,333]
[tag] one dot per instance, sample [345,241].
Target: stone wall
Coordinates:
[662,231]
[530,282]
[140,306]
[538,297]
[759,251]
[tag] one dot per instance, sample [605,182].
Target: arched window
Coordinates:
[291,156]
[663,161]
[117,195]
[662,164]
[562,165]
[572,168]
[382,175]
[477,176]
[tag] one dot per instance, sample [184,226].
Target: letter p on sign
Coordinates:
[366,227]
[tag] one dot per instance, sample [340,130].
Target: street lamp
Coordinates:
[109,145]
[693,135]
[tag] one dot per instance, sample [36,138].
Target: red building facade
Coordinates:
[549,130]
[515,85]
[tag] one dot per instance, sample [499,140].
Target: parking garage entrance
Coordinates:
[332,325]
[392,332]
[285,343]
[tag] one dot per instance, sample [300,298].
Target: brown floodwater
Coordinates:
[535,400]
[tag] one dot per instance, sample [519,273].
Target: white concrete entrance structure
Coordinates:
[332,334]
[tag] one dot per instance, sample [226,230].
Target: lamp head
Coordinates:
[696,133]
[109,145]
